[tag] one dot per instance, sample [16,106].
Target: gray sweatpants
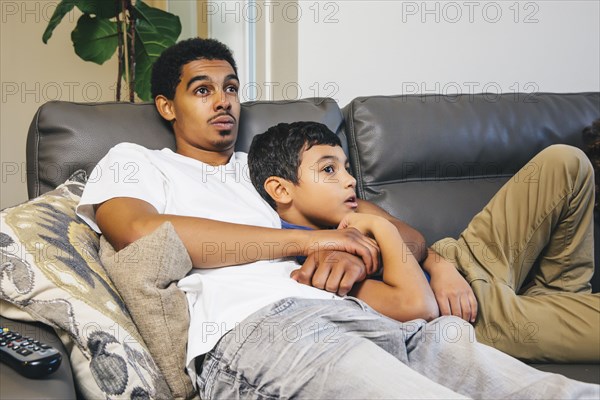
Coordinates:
[343,349]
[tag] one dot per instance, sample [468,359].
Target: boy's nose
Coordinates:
[350,180]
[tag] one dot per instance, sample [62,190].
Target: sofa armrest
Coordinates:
[58,385]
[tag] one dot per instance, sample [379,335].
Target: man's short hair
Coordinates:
[166,71]
[278,152]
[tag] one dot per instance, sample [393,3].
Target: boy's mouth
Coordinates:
[351,202]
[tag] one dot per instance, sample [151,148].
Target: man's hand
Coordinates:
[334,271]
[452,292]
[348,240]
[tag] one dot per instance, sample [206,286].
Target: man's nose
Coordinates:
[222,102]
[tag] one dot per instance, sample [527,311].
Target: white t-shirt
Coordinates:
[218,298]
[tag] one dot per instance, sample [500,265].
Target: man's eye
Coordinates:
[201,90]
[232,89]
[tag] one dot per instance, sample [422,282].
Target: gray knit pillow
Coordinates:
[146,274]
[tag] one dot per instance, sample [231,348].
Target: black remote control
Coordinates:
[27,356]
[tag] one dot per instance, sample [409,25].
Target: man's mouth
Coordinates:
[223,122]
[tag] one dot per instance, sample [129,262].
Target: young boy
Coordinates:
[301,170]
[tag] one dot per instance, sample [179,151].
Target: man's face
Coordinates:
[325,192]
[206,109]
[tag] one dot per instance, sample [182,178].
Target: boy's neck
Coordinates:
[288,225]
[294,218]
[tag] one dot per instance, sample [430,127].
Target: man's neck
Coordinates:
[213,158]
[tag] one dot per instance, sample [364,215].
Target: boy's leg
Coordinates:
[543,213]
[541,219]
[557,327]
[343,349]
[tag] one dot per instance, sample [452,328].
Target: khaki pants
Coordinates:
[538,226]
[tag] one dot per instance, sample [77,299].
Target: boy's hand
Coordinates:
[334,271]
[452,292]
[365,223]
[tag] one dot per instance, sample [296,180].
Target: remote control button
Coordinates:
[24,352]
[44,346]
[2,344]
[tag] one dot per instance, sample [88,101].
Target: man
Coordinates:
[279,338]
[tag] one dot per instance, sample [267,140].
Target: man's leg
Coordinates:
[344,349]
[541,219]
[482,371]
[298,349]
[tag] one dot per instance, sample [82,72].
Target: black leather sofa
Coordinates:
[433,161]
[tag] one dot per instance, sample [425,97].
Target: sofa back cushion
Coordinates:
[65,137]
[434,161]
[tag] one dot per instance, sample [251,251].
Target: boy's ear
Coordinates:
[278,189]
[165,107]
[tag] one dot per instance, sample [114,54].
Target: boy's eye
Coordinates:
[201,90]
[329,169]
[232,89]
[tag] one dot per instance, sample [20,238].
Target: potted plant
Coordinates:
[139,32]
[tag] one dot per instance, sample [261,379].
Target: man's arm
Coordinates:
[404,293]
[212,244]
[413,238]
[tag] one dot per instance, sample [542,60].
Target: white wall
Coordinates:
[357,48]
[342,49]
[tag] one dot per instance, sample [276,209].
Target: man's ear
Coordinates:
[279,189]
[165,107]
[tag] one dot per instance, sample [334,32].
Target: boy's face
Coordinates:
[205,109]
[325,192]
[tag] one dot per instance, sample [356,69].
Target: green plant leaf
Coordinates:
[94,39]
[99,8]
[155,31]
[59,13]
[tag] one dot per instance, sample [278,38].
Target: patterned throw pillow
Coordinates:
[50,269]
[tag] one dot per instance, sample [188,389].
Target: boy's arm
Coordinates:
[123,220]
[322,269]
[413,238]
[404,293]
[452,292]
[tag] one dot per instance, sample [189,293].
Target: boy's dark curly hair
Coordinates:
[166,71]
[278,152]
[591,140]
